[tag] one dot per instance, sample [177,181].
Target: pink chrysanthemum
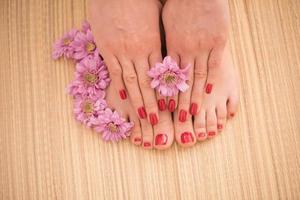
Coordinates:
[85,27]
[112,126]
[168,78]
[87,109]
[83,45]
[91,78]
[63,46]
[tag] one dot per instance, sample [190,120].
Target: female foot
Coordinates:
[160,136]
[127,34]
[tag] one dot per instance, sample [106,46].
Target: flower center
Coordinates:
[112,127]
[88,107]
[169,78]
[90,47]
[66,41]
[90,78]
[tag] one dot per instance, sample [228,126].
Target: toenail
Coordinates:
[201,135]
[171,106]
[147,144]
[122,94]
[187,137]
[231,114]
[153,119]
[211,133]
[162,104]
[193,109]
[161,139]
[208,88]
[137,139]
[142,112]
[182,115]
[220,126]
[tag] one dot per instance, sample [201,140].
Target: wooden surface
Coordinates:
[45,154]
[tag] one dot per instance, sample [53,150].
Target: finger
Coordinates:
[131,82]
[200,76]
[155,57]
[185,97]
[215,57]
[173,101]
[142,67]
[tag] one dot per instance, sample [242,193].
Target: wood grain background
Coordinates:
[45,154]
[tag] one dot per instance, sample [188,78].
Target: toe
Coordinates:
[136,132]
[200,125]
[232,106]
[147,134]
[164,131]
[221,116]
[211,122]
[184,132]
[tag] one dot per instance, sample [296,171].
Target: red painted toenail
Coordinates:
[171,106]
[201,135]
[153,119]
[161,139]
[137,139]
[211,133]
[220,126]
[182,115]
[122,94]
[147,144]
[208,88]
[187,137]
[193,109]
[162,104]
[142,112]
[231,114]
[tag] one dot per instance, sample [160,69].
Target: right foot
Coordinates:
[160,136]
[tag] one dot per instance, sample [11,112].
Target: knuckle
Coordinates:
[200,73]
[115,71]
[145,82]
[130,78]
[214,62]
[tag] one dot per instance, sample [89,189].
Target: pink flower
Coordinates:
[85,26]
[63,46]
[83,45]
[87,109]
[112,126]
[91,77]
[168,78]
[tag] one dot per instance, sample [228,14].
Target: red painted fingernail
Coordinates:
[171,106]
[182,115]
[201,135]
[187,137]
[211,133]
[220,126]
[162,104]
[153,119]
[137,139]
[193,108]
[161,139]
[122,94]
[231,114]
[142,112]
[208,88]
[147,144]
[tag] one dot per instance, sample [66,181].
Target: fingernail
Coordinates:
[182,115]
[153,119]
[201,135]
[193,109]
[187,137]
[147,144]
[171,106]
[137,139]
[142,112]
[220,126]
[211,133]
[161,139]
[208,88]
[122,94]
[161,104]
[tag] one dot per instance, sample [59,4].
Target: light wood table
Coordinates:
[46,154]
